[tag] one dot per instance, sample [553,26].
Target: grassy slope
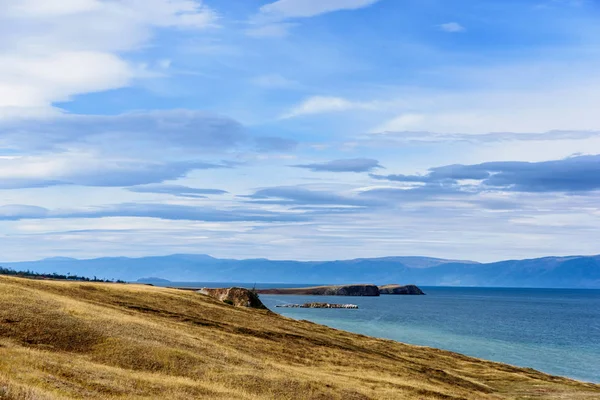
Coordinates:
[84,340]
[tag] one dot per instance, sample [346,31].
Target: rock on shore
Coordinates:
[319,305]
[398,289]
[235,296]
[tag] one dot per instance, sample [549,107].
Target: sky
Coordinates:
[299,129]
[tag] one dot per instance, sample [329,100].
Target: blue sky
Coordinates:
[299,129]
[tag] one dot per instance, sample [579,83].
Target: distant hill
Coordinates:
[555,272]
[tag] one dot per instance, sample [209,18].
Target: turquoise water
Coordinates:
[552,330]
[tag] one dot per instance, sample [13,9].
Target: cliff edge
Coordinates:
[403,290]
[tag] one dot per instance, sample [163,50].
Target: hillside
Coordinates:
[556,272]
[67,340]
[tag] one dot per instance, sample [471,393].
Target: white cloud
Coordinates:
[403,122]
[38,81]
[569,108]
[90,170]
[48,8]
[119,150]
[326,104]
[55,49]
[122,150]
[284,9]
[402,138]
[126,14]
[144,133]
[522,97]
[270,21]
[452,27]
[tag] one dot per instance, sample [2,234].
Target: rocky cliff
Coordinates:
[398,289]
[343,290]
[238,297]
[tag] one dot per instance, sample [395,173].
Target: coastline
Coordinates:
[110,329]
[308,296]
[452,319]
[573,361]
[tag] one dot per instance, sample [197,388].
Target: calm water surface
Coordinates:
[552,330]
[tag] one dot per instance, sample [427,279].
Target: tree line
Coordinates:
[55,276]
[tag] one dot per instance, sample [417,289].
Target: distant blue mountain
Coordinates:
[551,272]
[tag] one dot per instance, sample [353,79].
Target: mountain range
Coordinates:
[548,272]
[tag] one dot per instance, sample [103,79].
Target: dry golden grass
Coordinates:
[66,340]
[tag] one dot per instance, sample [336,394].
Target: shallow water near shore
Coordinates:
[552,330]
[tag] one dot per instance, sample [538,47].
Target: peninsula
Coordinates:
[341,290]
[73,340]
[347,290]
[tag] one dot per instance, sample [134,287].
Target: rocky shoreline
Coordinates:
[319,305]
[241,297]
